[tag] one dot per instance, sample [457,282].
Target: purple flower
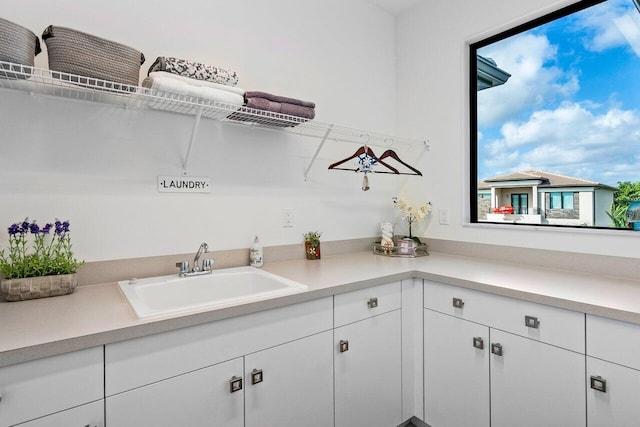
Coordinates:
[59,229]
[34,228]
[14,229]
[65,226]
[24,226]
[46,228]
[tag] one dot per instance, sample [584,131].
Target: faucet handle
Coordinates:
[207,263]
[184,267]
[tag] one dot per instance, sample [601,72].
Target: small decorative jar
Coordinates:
[312,245]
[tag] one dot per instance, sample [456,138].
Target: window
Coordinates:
[519,204]
[561,200]
[555,114]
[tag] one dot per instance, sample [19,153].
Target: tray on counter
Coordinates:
[404,248]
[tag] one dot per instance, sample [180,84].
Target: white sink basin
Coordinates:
[156,296]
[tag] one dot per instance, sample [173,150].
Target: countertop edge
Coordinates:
[129,329]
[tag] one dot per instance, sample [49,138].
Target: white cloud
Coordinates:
[534,79]
[599,23]
[572,140]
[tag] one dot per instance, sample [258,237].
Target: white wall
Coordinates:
[97,166]
[433,101]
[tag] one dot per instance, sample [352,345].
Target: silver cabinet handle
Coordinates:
[235,384]
[373,302]
[256,376]
[496,348]
[598,383]
[458,303]
[344,346]
[531,322]
[478,343]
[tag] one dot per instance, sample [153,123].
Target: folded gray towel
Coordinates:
[281,107]
[276,98]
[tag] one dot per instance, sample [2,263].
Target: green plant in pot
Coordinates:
[39,261]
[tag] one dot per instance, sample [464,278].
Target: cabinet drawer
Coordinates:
[613,340]
[359,305]
[137,362]
[556,326]
[40,387]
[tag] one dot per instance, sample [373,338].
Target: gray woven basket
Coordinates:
[17,45]
[75,52]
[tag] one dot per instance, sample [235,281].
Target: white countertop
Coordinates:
[99,314]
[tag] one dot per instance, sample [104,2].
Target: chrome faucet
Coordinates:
[207,263]
[204,248]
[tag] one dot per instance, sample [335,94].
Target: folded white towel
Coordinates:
[170,85]
[200,83]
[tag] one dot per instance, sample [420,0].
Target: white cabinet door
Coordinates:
[198,398]
[368,389]
[456,371]
[615,404]
[293,384]
[536,384]
[89,415]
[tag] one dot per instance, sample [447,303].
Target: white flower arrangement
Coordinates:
[412,213]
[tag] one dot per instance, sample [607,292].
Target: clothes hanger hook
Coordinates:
[368,138]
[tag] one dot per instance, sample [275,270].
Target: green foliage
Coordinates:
[626,193]
[618,215]
[312,236]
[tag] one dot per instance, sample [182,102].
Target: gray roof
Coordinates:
[548,179]
[488,73]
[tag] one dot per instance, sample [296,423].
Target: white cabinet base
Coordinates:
[535,384]
[456,374]
[618,405]
[296,387]
[201,397]
[368,384]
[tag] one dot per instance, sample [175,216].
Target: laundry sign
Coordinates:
[184,184]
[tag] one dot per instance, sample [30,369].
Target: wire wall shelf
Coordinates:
[48,82]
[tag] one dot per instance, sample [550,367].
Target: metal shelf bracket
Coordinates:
[315,155]
[194,133]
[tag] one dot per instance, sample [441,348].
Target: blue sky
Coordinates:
[572,104]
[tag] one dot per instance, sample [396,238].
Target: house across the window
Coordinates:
[539,197]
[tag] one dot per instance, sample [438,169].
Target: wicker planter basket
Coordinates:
[18,45]
[75,52]
[38,287]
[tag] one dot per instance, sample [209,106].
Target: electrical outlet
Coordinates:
[444,216]
[287,217]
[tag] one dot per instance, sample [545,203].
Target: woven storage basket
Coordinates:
[17,45]
[75,52]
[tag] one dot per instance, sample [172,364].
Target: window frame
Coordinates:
[474,46]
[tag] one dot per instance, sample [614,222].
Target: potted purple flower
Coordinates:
[39,261]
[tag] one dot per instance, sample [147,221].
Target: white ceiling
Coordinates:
[396,7]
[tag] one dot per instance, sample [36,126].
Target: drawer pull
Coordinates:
[344,346]
[256,376]
[496,348]
[531,322]
[598,383]
[235,384]
[458,303]
[478,343]
[373,302]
